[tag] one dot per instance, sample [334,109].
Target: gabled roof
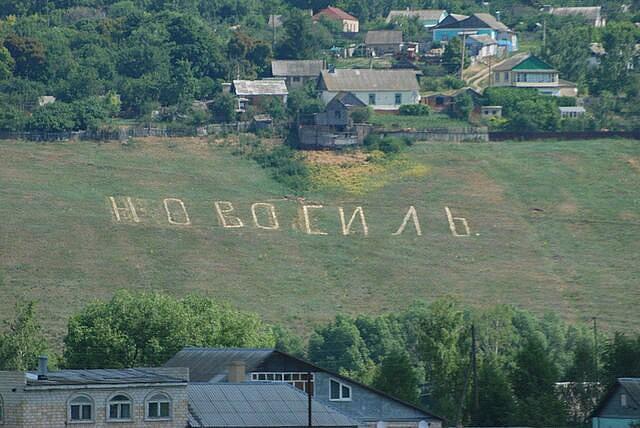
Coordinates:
[630,385]
[590,13]
[257,404]
[421,14]
[335,13]
[383,37]
[260,87]
[347,99]
[475,21]
[451,18]
[484,39]
[205,363]
[356,80]
[305,68]
[105,377]
[523,61]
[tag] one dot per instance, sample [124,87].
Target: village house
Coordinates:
[481,46]
[365,405]
[572,112]
[427,17]
[529,71]
[297,73]
[350,24]
[478,24]
[444,101]
[380,89]
[593,14]
[381,42]
[620,407]
[256,93]
[487,112]
[124,397]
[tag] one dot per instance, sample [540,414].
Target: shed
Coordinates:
[382,42]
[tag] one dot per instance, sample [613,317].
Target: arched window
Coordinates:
[158,406]
[119,408]
[80,409]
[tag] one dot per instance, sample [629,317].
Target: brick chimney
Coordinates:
[236,372]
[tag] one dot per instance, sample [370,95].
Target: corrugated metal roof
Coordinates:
[305,68]
[257,404]
[370,80]
[383,37]
[632,386]
[511,62]
[590,13]
[260,87]
[101,376]
[475,21]
[421,14]
[207,364]
[484,39]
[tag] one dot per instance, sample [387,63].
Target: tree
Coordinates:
[146,329]
[496,401]
[7,63]
[618,41]
[397,376]
[22,341]
[302,39]
[55,117]
[339,347]
[621,357]
[451,58]
[224,107]
[28,54]
[463,106]
[533,382]
[570,51]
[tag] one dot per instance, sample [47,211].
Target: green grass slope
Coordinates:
[554,226]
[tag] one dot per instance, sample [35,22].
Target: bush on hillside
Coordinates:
[414,110]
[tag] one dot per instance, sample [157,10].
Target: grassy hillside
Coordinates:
[554,226]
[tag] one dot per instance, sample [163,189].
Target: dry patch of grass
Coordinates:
[358,172]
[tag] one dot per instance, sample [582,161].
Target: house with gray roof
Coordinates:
[620,407]
[379,89]
[297,72]
[258,404]
[381,42]
[137,397]
[479,24]
[366,405]
[427,17]
[593,14]
[257,92]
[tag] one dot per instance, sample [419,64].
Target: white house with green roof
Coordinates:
[529,71]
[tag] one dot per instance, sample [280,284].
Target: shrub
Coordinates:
[414,110]
[386,145]
[361,114]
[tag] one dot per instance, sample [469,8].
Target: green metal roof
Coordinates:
[533,63]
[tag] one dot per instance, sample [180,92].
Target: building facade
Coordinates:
[477,24]
[350,23]
[154,398]
[297,73]
[427,17]
[620,407]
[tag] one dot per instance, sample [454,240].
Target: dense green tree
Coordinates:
[7,63]
[621,357]
[56,117]
[224,107]
[570,51]
[133,330]
[618,41]
[29,56]
[22,341]
[397,376]
[452,56]
[339,347]
[496,402]
[302,39]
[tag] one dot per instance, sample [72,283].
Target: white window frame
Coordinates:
[397,98]
[372,99]
[341,385]
[150,399]
[119,403]
[91,404]
[292,378]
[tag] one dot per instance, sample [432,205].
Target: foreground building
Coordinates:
[529,71]
[379,89]
[98,398]
[620,407]
[365,405]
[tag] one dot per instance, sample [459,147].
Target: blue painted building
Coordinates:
[366,405]
[480,24]
[620,407]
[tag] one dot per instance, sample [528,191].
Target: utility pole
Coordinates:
[595,350]
[464,35]
[310,420]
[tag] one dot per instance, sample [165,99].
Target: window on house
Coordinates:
[339,391]
[439,101]
[298,379]
[337,114]
[296,78]
[119,408]
[623,400]
[372,99]
[81,409]
[159,407]
[506,76]
[398,99]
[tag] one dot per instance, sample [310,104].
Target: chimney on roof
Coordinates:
[43,369]
[236,372]
[498,15]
